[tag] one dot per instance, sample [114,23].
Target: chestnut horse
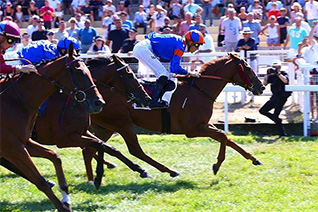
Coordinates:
[189,117]
[20,100]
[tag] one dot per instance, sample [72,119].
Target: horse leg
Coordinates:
[82,141]
[103,134]
[21,159]
[114,152]
[211,131]
[8,165]
[37,150]
[135,149]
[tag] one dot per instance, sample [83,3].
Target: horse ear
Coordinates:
[70,50]
[233,55]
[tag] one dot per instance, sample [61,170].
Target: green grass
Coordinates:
[288,180]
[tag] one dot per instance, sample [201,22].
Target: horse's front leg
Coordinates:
[77,140]
[37,150]
[209,130]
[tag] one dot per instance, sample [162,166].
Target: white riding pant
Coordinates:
[143,52]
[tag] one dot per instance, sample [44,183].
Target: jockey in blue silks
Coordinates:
[169,47]
[44,50]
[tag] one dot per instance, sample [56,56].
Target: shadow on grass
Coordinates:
[44,205]
[137,188]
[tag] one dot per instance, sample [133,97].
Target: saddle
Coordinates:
[149,86]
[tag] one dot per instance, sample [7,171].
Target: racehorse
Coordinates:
[191,108]
[66,124]
[20,100]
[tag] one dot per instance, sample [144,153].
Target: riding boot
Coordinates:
[158,91]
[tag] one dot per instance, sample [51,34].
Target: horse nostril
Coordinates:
[262,88]
[99,102]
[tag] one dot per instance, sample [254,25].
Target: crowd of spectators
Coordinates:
[163,16]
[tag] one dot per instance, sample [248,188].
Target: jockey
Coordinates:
[45,50]
[167,47]
[9,35]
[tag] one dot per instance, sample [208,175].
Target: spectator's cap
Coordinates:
[296,4]
[141,6]
[10,29]
[282,9]
[35,17]
[167,28]
[277,62]
[99,38]
[201,25]
[159,7]
[72,20]
[298,18]
[300,14]
[123,13]
[250,14]
[109,1]
[231,10]
[247,30]
[50,33]
[133,30]
[8,18]
[122,2]
[40,20]
[256,1]
[32,2]
[194,36]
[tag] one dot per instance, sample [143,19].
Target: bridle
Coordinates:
[78,94]
[128,92]
[240,70]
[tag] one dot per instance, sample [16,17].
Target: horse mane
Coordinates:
[212,62]
[43,62]
[99,61]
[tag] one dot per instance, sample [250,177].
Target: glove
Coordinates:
[194,74]
[26,69]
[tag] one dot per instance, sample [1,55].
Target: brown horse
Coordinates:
[189,117]
[20,99]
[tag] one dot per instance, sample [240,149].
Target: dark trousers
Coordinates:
[277,102]
[142,25]
[47,24]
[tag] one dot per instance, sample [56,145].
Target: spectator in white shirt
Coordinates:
[231,27]
[158,17]
[311,11]
[34,26]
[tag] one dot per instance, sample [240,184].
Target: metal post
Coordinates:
[306,104]
[226,108]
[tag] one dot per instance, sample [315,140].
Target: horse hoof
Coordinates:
[68,206]
[257,163]
[111,166]
[50,183]
[97,183]
[174,174]
[215,169]
[145,175]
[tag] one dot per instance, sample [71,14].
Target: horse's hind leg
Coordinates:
[114,152]
[21,159]
[37,150]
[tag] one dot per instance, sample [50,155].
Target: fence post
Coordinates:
[226,108]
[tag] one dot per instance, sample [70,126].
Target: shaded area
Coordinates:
[44,205]
[136,188]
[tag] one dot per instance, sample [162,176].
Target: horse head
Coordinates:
[81,84]
[245,76]
[134,89]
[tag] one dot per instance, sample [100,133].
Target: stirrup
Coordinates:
[158,105]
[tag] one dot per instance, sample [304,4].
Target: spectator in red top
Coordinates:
[274,11]
[9,34]
[47,13]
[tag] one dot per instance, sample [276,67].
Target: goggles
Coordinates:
[197,45]
[12,40]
